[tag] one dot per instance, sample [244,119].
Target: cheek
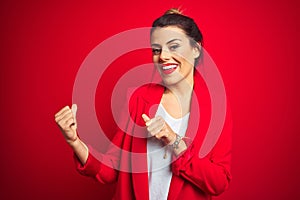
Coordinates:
[155,58]
[189,57]
[184,57]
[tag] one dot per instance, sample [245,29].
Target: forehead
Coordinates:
[162,35]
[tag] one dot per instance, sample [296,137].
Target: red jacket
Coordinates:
[193,177]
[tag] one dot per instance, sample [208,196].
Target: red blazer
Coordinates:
[193,177]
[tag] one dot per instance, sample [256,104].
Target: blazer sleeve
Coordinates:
[104,167]
[211,174]
[95,169]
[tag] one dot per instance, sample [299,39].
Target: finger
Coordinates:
[62,110]
[156,121]
[63,115]
[145,118]
[70,122]
[153,132]
[161,135]
[155,128]
[64,119]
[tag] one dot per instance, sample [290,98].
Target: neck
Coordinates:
[183,90]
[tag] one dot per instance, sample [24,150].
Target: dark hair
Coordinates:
[173,17]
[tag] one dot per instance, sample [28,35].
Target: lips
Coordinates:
[169,68]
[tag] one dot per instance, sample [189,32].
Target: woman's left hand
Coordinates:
[158,128]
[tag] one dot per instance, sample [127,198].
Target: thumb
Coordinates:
[145,117]
[74,111]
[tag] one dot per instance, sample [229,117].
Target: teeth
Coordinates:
[169,67]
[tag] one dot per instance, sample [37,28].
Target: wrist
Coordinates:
[176,141]
[180,148]
[74,142]
[178,145]
[80,149]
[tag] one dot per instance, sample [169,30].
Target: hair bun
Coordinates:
[173,11]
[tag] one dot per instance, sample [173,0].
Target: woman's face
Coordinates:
[173,54]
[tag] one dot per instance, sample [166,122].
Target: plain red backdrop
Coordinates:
[254,43]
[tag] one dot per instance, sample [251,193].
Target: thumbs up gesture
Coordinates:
[158,128]
[66,120]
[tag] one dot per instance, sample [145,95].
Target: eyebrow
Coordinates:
[167,42]
[173,41]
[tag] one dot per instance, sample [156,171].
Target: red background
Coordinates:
[254,43]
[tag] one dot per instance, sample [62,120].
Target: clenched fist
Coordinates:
[66,120]
[158,128]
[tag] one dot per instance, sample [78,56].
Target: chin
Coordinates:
[170,81]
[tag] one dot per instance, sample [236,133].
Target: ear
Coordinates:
[196,50]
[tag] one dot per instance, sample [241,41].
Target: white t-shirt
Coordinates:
[159,171]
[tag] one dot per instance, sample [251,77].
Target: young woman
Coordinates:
[171,167]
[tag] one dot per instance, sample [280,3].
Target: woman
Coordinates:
[173,135]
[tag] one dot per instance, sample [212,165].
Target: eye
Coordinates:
[156,51]
[174,47]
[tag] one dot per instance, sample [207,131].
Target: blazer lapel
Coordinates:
[139,168]
[139,163]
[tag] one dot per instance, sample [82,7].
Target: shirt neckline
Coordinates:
[173,118]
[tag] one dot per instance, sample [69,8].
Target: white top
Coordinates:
[159,171]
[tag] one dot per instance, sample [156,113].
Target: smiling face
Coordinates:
[173,54]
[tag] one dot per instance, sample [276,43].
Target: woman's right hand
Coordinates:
[66,120]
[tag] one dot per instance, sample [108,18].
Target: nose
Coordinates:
[164,55]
